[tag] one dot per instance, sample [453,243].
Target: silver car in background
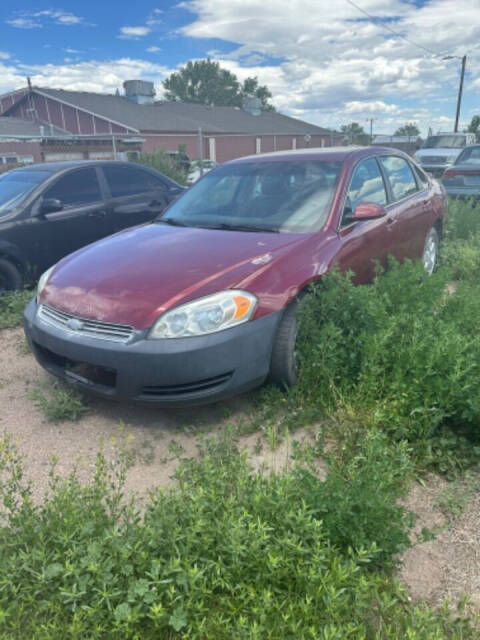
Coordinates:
[440,151]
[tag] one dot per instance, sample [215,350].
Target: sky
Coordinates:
[324,61]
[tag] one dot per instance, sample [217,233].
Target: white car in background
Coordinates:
[195,172]
[440,151]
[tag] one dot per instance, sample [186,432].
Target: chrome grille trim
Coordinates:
[90,328]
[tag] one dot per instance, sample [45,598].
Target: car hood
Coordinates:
[136,275]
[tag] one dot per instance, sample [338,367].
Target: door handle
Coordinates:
[97,214]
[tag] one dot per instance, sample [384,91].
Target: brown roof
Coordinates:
[181,116]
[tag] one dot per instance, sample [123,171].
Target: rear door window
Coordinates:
[77,188]
[400,176]
[130,181]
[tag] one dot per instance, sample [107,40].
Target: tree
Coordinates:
[251,89]
[355,133]
[205,82]
[409,129]
[474,125]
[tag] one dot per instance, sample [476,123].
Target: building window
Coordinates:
[8,159]
[258,145]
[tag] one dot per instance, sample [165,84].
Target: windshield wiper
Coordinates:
[240,227]
[173,222]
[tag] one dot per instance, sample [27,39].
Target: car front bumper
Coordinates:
[169,373]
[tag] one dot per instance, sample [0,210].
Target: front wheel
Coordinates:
[283,364]
[10,277]
[430,251]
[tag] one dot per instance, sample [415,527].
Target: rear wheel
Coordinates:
[284,364]
[430,251]
[10,277]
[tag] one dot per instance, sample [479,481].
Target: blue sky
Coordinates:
[324,61]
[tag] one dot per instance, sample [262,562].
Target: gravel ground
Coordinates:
[445,567]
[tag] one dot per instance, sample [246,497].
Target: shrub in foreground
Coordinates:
[224,554]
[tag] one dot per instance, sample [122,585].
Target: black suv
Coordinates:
[49,210]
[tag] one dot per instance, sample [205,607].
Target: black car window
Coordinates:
[400,175]
[366,185]
[16,186]
[77,188]
[129,181]
[471,155]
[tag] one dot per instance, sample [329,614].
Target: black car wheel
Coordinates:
[10,277]
[284,365]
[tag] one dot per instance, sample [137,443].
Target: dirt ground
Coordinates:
[433,569]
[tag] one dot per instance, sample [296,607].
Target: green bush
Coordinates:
[161,161]
[12,305]
[463,219]
[224,554]
[403,352]
[59,403]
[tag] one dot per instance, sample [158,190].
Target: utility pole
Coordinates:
[460,90]
[371,120]
[200,150]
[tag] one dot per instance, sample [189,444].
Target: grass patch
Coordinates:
[60,403]
[12,305]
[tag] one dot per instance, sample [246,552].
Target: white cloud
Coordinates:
[153,49]
[331,62]
[24,23]
[94,75]
[4,55]
[133,33]
[36,19]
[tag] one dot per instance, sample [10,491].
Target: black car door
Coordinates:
[80,221]
[137,195]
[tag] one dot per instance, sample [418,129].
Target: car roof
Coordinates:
[320,153]
[53,167]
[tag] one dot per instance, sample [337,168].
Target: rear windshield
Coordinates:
[446,142]
[471,155]
[279,196]
[15,186]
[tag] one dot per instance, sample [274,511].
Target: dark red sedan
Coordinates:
[201,304]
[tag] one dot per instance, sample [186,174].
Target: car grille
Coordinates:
[83,326]
[435,160]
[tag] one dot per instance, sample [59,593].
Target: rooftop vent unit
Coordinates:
[253,106]
[139,91]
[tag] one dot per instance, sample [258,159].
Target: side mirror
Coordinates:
[51,205]
[368,211]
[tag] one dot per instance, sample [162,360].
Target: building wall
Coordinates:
[21,149]
[229,147]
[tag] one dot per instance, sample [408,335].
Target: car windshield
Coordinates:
[277,196]
[15,186]
[446,142]
[471,155]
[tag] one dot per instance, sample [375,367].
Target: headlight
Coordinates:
[43,280]
[206,315]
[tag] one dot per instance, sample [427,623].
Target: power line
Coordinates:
[395,33]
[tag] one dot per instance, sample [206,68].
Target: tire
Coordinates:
[283,363]
[430,251]
[10,277]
